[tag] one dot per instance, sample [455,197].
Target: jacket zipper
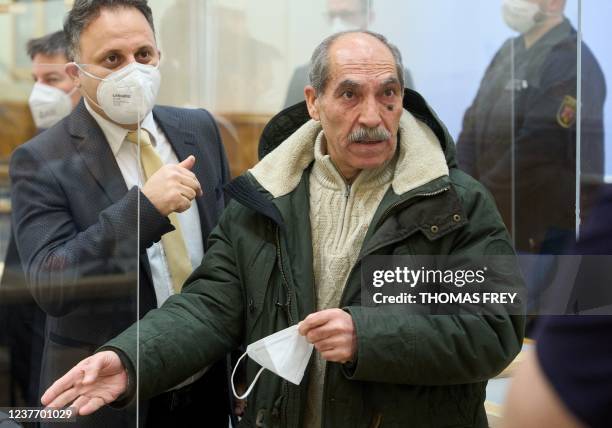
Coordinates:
[284,385]
[282,270]
[285,405]
[382,218]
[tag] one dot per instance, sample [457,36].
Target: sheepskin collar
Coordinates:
[420,158]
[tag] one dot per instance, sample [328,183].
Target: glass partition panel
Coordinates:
[510,101]
[594,118]
[68,221]
[88,249]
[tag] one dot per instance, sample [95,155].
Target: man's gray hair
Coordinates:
[51,44]
[85,11]
[319,62]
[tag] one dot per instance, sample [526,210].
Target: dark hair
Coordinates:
[51,44]
[85,11]
[319,62]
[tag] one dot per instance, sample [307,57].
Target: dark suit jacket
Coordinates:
[82,234]
[23,323]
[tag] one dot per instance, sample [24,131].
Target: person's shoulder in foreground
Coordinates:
[567,381]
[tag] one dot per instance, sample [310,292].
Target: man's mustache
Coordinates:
[369,134]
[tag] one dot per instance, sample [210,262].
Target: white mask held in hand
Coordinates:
[49,105]
[285,353]
[127,95]
[520,15]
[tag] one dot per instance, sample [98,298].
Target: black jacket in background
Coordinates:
[519,135]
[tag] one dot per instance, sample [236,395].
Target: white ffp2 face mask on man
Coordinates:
[49,105]
[521,15]
[285,353]
[127,95]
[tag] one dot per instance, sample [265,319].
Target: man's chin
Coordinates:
[371,155]
[367,164]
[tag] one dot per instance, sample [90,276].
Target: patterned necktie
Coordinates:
[174,246]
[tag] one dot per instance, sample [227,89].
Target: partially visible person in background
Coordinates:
[519,134]
[54,94]
[53,98]
[567,381]
[343,15]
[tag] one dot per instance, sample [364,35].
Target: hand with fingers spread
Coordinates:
[172,187]
[332,332]
[91,384]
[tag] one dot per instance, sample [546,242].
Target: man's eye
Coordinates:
[348,95]
[389,92]
[111,59]
[145,56]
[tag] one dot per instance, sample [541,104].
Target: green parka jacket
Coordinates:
[256,279]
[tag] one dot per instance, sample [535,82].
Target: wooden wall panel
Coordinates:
[240,133]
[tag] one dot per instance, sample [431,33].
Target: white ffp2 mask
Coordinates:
[128,95]
[520,15]
[49,105]
[285,353]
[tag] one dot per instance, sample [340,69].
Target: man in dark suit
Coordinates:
[111,206]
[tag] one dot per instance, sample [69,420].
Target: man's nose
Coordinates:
[370,115]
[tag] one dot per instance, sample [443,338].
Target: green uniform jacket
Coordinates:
[256,279]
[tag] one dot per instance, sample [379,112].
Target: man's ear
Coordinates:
[73,72]
[312,101]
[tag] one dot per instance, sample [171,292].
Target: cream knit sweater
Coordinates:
[339,217]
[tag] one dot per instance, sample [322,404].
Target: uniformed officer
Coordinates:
[519,134]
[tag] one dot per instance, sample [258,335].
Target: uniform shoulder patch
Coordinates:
[566,116]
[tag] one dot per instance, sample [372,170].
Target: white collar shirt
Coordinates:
[126,155]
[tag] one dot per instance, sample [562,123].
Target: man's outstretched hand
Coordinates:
[91,384]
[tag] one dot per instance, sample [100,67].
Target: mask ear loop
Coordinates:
[84,92]
[250,388]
